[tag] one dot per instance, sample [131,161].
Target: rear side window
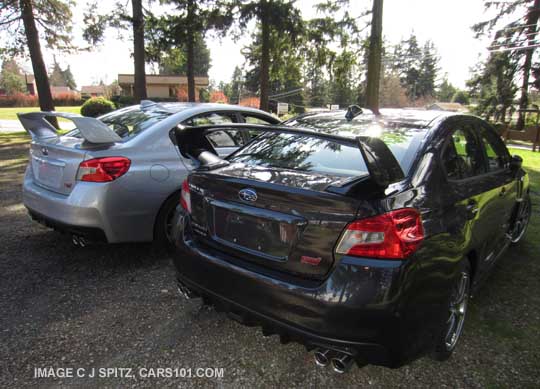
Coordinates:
[462,156]
[226,138]
[496,152]
[298,152]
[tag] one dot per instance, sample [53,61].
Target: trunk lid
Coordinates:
[275,218]
[55,162]
[55,159]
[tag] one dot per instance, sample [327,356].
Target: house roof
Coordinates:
[60,89]
[90,89]
[160,79]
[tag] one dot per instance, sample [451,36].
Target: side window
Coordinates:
[462,156]
[226,139]
[218,138]
[209,118]
[255,120]
[495,150]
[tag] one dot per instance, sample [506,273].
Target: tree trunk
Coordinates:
[265,55]
[532,19]
[374,59]
[38,65]
[190,53]
[139,89]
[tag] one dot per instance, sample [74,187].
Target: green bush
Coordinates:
[97,106]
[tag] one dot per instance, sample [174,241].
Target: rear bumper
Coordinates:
[357,310]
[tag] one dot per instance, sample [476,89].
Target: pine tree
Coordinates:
[23,23]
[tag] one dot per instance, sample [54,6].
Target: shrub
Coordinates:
[19,100]
[67,99]
[96,106]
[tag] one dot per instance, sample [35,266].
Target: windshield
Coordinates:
[301,152]
[129,122]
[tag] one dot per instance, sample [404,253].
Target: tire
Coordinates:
[162,225]
[457,310]
[521,222]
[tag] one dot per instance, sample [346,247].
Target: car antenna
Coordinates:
[352,112]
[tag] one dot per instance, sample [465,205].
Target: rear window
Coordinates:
[128,123]
[403,139]
[299,152]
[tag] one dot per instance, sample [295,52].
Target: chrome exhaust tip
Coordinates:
[184,291]
[322,357]
[342,363]
[75,240]
[82,241]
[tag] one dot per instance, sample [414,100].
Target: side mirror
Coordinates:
[516,162]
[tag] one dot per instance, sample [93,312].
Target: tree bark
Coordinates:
[265,54]
[532,20]
[139,88]
[38,65]
[190,53]
[374,59]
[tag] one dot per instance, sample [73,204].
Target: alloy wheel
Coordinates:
[522,221]
[458,310]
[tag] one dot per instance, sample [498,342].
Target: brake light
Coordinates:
[393,235]
[103,169]
[185,196]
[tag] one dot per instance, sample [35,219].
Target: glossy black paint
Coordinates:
[386,312]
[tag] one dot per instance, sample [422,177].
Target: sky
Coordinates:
[446,23]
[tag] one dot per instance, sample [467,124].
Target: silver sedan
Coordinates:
[118,178]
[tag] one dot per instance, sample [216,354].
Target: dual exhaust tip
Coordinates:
[341,362]
[79,241]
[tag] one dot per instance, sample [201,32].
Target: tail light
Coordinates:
[393,235]
[103,169]
[185,196]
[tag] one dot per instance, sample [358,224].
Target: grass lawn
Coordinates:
[11,113]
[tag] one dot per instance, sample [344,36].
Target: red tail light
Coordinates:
[103,169]
[185,196]
[392,235]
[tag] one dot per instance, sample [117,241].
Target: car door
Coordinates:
[469,196]
[502,180]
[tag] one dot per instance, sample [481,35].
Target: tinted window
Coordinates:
[462,156]
[218,138]
[402,139]
[495,150]
[226,138]
[130,122]
[255,119]
[209,118]
[298,152]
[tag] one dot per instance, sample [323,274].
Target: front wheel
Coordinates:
[456,313]
[519,226]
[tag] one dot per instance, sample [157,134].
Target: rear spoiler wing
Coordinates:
[92,130]
[382,166]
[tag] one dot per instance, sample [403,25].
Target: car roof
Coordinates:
[408,117]
[176,107]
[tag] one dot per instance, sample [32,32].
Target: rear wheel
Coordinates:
[163,226]
[457,310]
[522,221]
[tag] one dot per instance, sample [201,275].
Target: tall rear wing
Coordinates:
[381,163]
[92,130]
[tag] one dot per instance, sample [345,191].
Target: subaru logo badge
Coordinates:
[248,195]
[44,151]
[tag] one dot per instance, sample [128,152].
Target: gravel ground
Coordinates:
[116,307]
